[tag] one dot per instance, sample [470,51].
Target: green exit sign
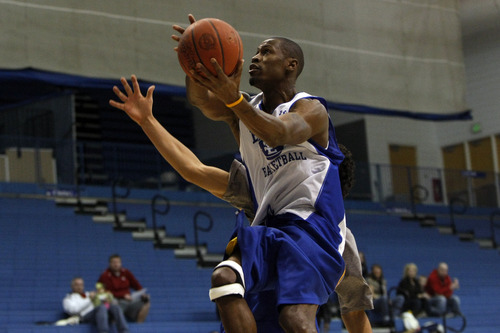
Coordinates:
[476,128]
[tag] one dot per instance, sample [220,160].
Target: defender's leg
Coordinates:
[299,318]
[228,290]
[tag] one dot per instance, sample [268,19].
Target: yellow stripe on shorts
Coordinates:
[231,245]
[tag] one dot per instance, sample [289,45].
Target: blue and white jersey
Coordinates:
[300,179]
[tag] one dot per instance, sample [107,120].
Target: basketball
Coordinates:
[206,39]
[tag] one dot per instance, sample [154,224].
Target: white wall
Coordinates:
[482,68]
[115,38]
[382,53]
[384,131]
[481,47]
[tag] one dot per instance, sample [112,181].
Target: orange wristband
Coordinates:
[232,105]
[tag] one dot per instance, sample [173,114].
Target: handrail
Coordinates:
[452,329]
[204,229]
[155,210]
[78,194]
[456,203]
[493,226]
[122,183]
[417,193]
[80,174]
[99,162]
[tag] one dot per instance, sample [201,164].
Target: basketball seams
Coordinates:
[182,53]
[223,65]
[240,50]
[195,46]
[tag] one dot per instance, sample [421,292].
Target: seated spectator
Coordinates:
[80,303]
[379,316]
[440,288]
[119,281]
[410,294]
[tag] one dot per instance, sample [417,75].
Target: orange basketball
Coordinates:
[206,39]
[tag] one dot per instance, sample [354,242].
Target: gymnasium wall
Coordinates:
[403,55]
[391,54]
[405,132]
[480,23]
[482,54]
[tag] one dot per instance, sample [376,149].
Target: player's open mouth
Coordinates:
[253,68]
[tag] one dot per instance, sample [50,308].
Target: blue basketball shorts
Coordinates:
[288,261]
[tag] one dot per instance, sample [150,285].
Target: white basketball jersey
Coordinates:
[301,179]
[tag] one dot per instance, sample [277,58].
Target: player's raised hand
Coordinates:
[181,30]
[196,93]
[226,88]
[137,106]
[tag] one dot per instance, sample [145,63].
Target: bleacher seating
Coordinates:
[179,221]
[387,240]
[44,246]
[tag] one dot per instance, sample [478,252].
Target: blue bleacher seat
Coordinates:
[44,247]
[387,240]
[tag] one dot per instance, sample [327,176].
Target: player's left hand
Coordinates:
[226,88]
[138,107]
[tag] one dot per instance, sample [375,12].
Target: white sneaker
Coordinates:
[73,320]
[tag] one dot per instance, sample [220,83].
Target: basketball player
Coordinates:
[277,121]
[290,260]
[233,187]
[293,251]
[354,294]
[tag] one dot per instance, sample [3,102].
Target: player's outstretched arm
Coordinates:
[139,108]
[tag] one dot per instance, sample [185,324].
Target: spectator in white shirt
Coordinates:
[79,303]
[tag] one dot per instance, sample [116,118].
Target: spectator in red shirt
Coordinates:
[440,287]
[119,281]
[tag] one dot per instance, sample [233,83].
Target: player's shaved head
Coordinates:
[293,50]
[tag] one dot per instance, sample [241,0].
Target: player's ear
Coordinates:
[292,64]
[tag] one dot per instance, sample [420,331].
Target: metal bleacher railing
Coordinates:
[59,164]
[432,186]
[49,162]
